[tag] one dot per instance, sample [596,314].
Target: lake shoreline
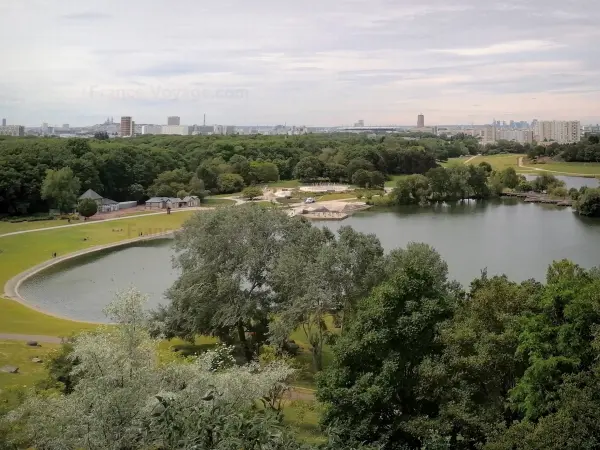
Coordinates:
[11,287]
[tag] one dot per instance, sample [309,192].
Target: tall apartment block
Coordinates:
[420,121]
[174,120]
[12,130]
[127,126]
[560,131]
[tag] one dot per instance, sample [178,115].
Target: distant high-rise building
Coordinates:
[560,131]
[3,122]
[45,128]
[520,136]
[152,129]
[176,129]
[174,120]
[360,123]
[65,126]
[127,126]
[420,121]
[12,130]
[488,134]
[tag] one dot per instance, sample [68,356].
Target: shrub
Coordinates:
[252,192]
[87,207]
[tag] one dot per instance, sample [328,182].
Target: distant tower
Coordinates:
[3,122]
[173,120]
[126,126]
[204,123]
[420,121]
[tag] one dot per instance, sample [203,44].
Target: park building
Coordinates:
[104,204]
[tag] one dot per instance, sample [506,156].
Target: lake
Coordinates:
[504,236]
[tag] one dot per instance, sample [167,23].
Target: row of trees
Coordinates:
[137,168]
[419,361]
[457,182]
[585,151]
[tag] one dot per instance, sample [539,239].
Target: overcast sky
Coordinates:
[312,62]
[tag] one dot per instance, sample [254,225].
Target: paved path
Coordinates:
[30,337]
[471,159]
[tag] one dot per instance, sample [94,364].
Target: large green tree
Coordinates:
[588,203]
[225,257]
[61,188]
[371,388]
[309,168]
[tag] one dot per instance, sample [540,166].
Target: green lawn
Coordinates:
[216,201]
[303,417]
[500,162]
[454,161]
[8,227]
[394,179]
[16,353]
[20,252]
[591,169]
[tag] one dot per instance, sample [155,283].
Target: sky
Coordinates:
[314,62]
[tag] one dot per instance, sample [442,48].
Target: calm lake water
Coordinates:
[506,236]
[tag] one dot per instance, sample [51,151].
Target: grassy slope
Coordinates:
[19,354]
[217,201]
[568,167]
[7,227]
[499,162]
[20,252]
[393,180]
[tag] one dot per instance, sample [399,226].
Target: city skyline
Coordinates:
[321,65]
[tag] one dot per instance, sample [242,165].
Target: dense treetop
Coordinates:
[136,168]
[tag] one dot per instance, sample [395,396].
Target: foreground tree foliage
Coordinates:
[505,366]
[226,257]
[125,398]
[371,388]
[248,273]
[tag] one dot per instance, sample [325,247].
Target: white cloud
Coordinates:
[503,48]
[319,62]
